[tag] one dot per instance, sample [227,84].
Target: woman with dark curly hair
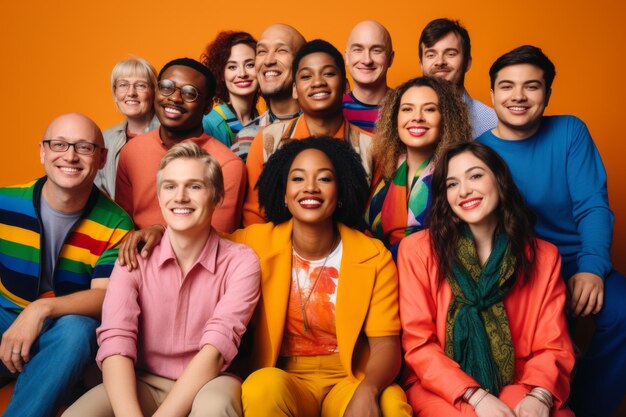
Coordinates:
[418,119]
[481,299]
[326,337]
[230,57]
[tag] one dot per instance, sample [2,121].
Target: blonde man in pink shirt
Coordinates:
[171,327]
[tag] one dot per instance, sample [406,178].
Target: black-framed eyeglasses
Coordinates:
[82,148]
[188,92]
[123,86]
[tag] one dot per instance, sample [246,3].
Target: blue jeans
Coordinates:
[599,384]
[59,357]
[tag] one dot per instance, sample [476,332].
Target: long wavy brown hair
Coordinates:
[455,125]
[515,219]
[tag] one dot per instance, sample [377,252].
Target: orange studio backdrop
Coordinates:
[57,57]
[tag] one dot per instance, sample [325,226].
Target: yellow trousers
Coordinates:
[310,386]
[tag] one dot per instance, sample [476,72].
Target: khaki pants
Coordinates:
[219,397]
[310,386]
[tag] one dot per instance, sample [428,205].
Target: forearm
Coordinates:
[86,303]
[383,364]
[118,373]
[203,368]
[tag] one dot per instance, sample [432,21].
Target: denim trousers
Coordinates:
[59,357]
[599,383]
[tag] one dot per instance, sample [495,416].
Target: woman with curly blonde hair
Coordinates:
[419,119]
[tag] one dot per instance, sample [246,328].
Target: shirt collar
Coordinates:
[207,257]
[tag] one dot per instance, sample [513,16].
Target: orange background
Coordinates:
[57,57]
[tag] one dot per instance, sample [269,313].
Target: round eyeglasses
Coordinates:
[82,148]
[123,86]
[188,92]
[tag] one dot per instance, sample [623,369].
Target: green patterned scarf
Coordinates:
[478,337]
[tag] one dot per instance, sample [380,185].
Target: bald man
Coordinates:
[58,242]
[275,51]
[369,54]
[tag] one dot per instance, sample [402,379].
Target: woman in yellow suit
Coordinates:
[326,332]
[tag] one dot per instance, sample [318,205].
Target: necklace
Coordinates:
[304,303]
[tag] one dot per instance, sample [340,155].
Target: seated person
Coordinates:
[419,119]
[559,171]
[171,327]
[230,57]
[58,243]
[184,93]
[481,300]
[319,82]
[326,337]
[133,82]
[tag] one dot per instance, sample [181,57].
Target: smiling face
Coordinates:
[275,51]
[419,121]
[131,102]
[319,85]
[186,196]
[519,98]
[239,73]
[177,117]
[445,59]
[69,171]
[472,192]
[311,192]
[368,54]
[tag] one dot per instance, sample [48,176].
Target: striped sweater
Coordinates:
[89,251]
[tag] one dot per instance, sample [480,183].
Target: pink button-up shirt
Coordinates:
[161,319]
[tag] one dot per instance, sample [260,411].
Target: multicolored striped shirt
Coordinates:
[89,250]
[360,114]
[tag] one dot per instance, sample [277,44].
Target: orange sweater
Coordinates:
[135,188]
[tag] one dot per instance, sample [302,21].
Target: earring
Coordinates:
[339,204]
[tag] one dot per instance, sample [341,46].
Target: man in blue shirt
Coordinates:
[559,171]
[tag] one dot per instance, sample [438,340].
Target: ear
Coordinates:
[103,157]
[548,95]
[294,92]
[493,101]
[469,64]
[392,55]
[42,153]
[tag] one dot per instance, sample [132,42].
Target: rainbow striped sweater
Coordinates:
[89,250]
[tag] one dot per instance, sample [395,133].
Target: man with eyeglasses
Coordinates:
[58,243]
[184,94]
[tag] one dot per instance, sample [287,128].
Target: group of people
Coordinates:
[406,251]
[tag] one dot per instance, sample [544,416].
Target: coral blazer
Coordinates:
[536,311]
[367,293]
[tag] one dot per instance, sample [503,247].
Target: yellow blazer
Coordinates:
[367,293]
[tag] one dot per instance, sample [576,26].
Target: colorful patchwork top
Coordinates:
[89,251]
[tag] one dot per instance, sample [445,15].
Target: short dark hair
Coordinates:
[209,84]
[352,186]
[319,45]
[525,54]
[438,28]
[515,219]
[216,54]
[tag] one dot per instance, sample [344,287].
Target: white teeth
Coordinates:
[517,108]
[270,74]
[69,170]
[182,210]
[417,130]
[172,110]
[132,102]
[470,204]
[309,201]
[320,94]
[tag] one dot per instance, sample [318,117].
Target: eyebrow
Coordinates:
[525,82]
[323,67]
[466,171]
[318,170]
[404,103]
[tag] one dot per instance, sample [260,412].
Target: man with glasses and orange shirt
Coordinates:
[58,243]
[184,94]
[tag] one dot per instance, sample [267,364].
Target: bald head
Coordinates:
[275,51]
[74,125]
[369,54]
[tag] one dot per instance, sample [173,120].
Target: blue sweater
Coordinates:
[560,174]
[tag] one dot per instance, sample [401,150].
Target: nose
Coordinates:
[70,154]
[181,194]
[465,189]
[518,94]
[132,90]
[318,80]
[270,58]
[367,58]
[440,60]
[176,96]
[311,186]
[241,72]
